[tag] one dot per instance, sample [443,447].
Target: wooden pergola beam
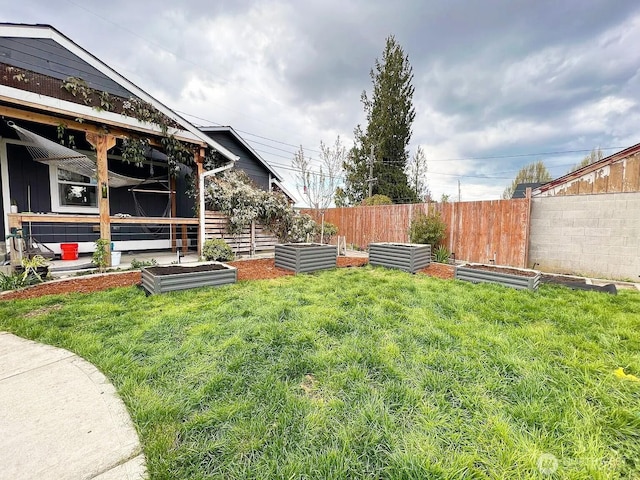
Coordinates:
[74,124]
[46,119]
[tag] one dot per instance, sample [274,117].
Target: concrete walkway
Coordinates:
[61,418]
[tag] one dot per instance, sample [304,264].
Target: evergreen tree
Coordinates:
[390,114]
[532,173]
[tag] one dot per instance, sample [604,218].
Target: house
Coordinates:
[521,189]
[86,154]
[249,161]
[616,173]
[587,222]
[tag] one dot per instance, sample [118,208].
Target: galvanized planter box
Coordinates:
[306,257]
[492,274]
[410,257]
[181,277]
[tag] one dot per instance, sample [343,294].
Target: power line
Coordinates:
[200,66]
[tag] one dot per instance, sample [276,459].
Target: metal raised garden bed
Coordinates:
[507,276]
[410,257]
[306,257]
[182,277]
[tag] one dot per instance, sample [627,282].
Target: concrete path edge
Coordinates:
[61,418]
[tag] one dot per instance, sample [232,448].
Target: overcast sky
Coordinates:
[498,84]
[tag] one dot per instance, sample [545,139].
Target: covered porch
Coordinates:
[104,219]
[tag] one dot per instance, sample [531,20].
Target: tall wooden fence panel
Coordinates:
[487,231]
[253,239]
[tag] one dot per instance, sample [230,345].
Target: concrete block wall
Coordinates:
[594,235]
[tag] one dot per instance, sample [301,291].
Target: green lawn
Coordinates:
[362,373]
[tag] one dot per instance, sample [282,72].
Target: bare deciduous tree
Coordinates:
[318,186]
[417,175]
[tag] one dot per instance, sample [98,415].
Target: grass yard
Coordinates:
[363,373]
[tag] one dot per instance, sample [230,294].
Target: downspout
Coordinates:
[208,173]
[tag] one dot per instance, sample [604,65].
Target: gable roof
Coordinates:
[521,189]
[230,131]
[627,152]
[21,43]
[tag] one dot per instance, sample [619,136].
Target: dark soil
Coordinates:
[562,280]
[176,269]
[509,271]
[307,245]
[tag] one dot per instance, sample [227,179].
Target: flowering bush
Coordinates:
[242,202]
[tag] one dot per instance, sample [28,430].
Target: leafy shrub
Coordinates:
[217,249]
[427,229]
[330,230]
[441,254]
[17,280]
[138,264]
[376,200]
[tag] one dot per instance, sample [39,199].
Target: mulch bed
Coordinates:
[439,270]
[256,269]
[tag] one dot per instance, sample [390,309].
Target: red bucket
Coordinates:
[69,251]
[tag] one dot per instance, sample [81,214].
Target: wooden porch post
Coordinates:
[15,221]
[102,143]
[199,159]
[174,210]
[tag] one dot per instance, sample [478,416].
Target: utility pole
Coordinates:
[371,180]
[459,196]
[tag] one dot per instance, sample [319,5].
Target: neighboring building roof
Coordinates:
[59,57]
[588,169]
[242,141]
[521,189]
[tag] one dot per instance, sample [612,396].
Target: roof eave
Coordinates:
[589,168]
[47,31]
[244,143]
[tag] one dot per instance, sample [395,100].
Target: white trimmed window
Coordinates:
[72,192]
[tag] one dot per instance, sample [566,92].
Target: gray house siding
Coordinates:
[46,57]
[29,185]
[248,163]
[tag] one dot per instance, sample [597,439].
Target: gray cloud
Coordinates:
[492,78]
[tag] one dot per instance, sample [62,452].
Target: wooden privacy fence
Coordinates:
[253,239]
[488,231]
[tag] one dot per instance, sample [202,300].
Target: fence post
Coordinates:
[527,230]
[252,239]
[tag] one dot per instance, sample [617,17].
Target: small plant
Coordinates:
[138,264]
[101,254]
[441,254]
[329,231]
[427,229]
[25,275]
[31,266]
[15,280]
[216,249]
